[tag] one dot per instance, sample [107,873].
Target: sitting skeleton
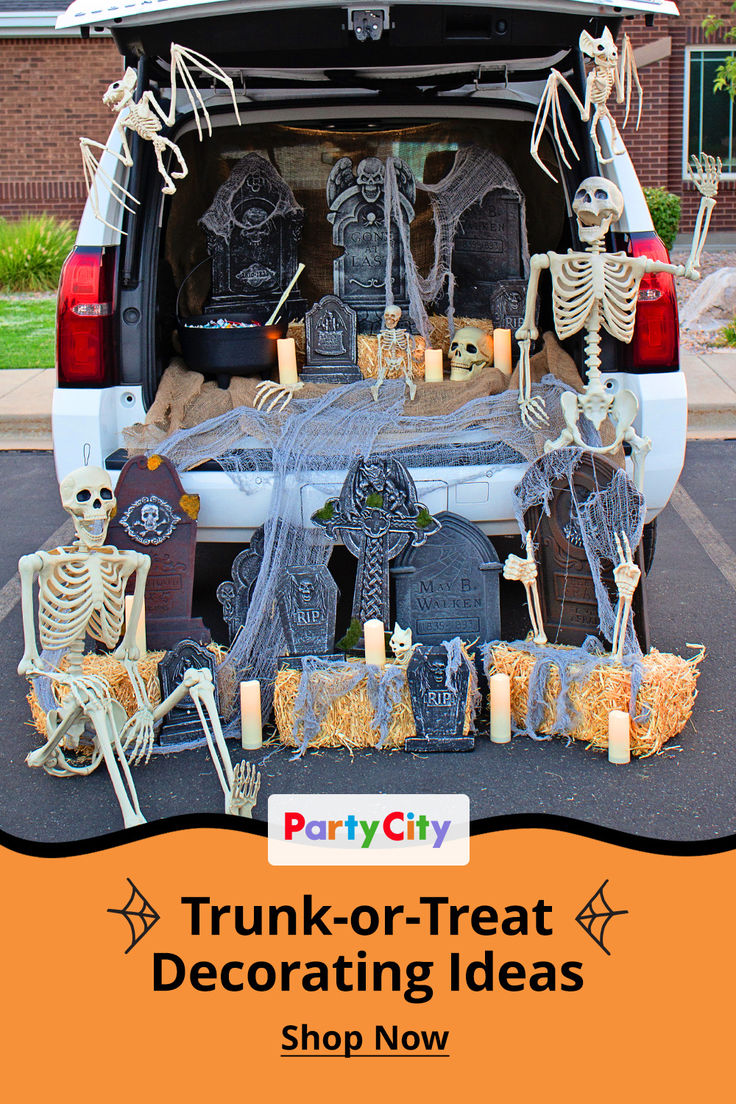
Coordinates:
[395,353]
[626,576]
[594,290]
[81,590]
[471,350]
[401,645]
[525,571]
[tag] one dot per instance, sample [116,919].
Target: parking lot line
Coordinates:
[706,534]
[10,593]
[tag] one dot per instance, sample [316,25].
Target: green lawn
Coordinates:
[27,331]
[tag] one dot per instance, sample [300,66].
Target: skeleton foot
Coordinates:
[244,790]
[277,393]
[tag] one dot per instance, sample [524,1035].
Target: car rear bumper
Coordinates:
[482,493]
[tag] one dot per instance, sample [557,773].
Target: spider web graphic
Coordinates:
[595,910]
[140,918]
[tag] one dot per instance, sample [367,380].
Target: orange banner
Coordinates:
[511,977]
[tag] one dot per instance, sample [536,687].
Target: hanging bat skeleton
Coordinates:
[608,75]
[146,118]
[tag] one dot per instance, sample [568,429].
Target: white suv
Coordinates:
[324,79]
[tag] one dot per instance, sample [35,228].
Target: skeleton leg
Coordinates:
[159,145]
[46,756]
[107,735]
[203,693]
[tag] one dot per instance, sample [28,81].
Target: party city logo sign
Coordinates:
[368,829]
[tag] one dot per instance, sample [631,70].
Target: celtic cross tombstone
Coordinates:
[376,517]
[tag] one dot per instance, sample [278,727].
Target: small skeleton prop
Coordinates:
[626,577]
[395,352]
[81,589]
[471,350]
[593,290]
[525,571]
[401,645]
[146,118]
[606,76]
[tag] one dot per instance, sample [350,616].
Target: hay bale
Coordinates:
[668,689]
[116,676]
[349,720]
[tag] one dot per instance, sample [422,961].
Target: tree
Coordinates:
[726,73]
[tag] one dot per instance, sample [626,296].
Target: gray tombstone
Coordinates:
[376,516]
[439,710]
[235,595]
[489,247]
[449,586]
[307,605]
[356,211]
[253,228]
[331,343]
[182,724]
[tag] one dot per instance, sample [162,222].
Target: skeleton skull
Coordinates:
[370,178]
[471,350]
[391,317]
[597,204]
[601,49]
[87,495]
[121,91]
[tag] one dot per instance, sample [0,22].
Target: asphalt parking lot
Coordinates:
[685,793]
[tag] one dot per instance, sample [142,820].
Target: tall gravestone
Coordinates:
[449,586]
[566,588]
[439,709]
[331,343]
[234,594]
[182,725]
[489,247]
[253,228]
[307,605]
[156,517]
[356,211]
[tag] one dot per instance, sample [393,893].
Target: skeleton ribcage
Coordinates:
[580,281]
[82,596]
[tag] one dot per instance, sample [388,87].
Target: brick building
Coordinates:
[51,86]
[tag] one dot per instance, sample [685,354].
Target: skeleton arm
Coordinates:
[550,104]
[626,76]
[141,564]
[532,410]
[29,568]
[181,59]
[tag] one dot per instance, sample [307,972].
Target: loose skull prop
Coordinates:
[87,495]
[471,350]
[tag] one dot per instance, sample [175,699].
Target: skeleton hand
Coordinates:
[277,393]
[533,413]
[520,571]
[705,172]
[244,790]
[138,730]
[626,575]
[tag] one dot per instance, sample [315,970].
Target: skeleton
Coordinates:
[626,576]
[146,118]
[525,571]
[278,393]
[401,645]
[606,76]
[593,290]
[81,589]
[395,352]
[471,350]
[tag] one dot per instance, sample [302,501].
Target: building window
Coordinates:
[709,123]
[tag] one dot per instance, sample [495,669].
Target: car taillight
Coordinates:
[655,345]
[85,352]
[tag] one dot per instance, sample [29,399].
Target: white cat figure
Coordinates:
[401,645]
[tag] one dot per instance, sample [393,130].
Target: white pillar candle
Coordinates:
[619,742]
[140,629]
[251,731]
[286,351]
[502,351]
[375,643]
[433,366]
[500,686]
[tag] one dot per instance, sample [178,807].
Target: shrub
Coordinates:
[664,207]
[32,251]
[728,334]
